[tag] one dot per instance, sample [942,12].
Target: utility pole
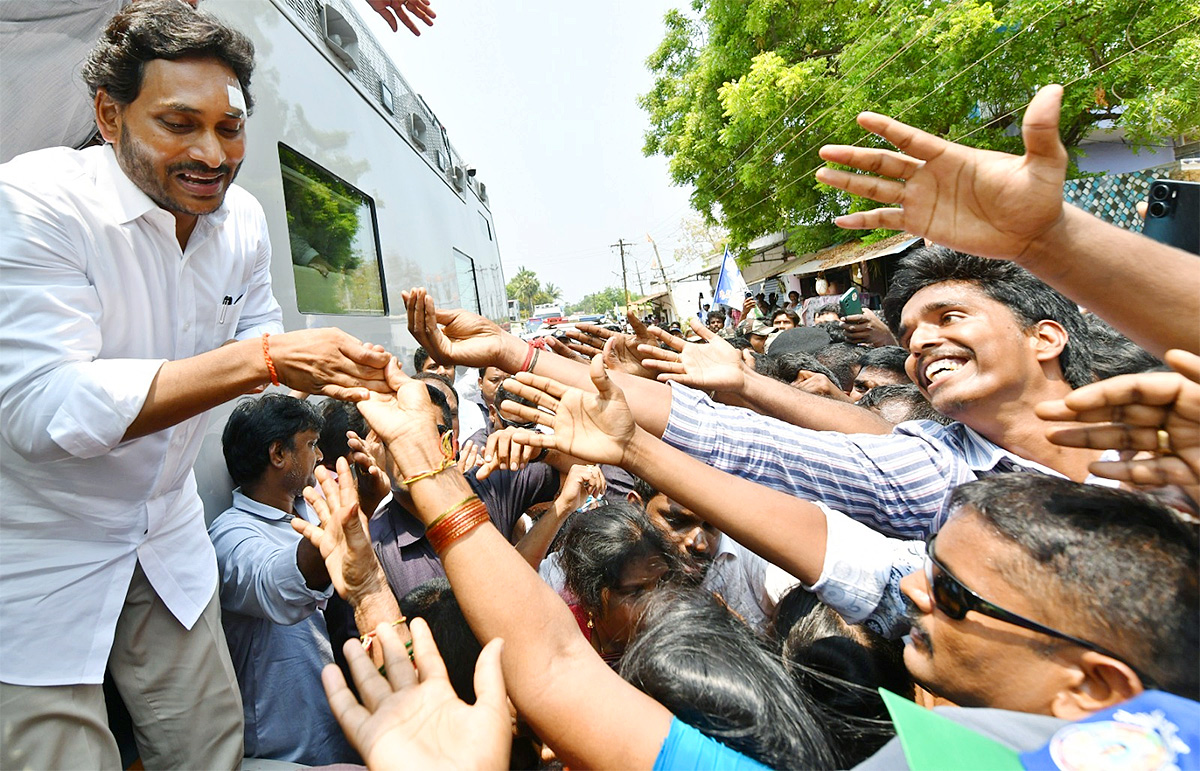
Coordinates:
[641,286]
[666,283]
[624,278]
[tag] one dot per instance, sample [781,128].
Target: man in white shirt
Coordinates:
[134,296]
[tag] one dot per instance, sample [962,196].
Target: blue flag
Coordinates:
[731,287]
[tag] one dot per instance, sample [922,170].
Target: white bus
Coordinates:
[364,194]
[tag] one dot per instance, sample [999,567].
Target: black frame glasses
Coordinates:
[953,598]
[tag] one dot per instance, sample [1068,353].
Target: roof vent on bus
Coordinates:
[443,161]
[417,129]
[482,188]
[339,36]
[458,177]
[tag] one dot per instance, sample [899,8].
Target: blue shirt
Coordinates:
[897,483]
[686,749]
[277,635]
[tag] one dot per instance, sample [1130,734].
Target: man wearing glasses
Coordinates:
[1038,595]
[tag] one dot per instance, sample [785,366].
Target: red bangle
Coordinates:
[456,523]
[267,359]
[531,355]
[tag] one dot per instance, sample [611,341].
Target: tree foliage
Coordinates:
[598,302]
[746,91]
[528,289]
[322,212]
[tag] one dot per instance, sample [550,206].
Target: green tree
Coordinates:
[524,288]
[746,91]
[598,302]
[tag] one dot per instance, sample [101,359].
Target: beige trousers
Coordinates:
[179,686]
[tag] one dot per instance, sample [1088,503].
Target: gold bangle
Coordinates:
[456,523]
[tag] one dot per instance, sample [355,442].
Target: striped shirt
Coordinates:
[897,483]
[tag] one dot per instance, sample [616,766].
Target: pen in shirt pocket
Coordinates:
[226,304]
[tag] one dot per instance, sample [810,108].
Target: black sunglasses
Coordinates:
[955,600]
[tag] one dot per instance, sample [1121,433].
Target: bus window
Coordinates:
[333,240]
[468,290]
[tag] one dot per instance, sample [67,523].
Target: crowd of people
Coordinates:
[789,542]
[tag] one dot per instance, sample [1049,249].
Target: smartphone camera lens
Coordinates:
[1160,192]
[1157,209]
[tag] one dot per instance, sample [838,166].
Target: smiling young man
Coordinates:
[135,295]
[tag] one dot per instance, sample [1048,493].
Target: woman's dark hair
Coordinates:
[598,544]
[434,601]
[162,29]
[255,424]
[700,661]
[1030,299]
[840,667]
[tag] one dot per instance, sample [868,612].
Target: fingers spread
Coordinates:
[542,391]
[1105,437]
[342,703]
[908,139]
[885,163]
[892,219]
[875,188]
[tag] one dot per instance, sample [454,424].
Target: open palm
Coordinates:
[977,201]
[714,365]
[462,338]
[595,427]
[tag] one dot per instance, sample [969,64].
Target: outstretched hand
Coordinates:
[455,336]
[1128,412]
[711,366]
[329,362]
[342,536]
[976,201]
[624,354]
[412,718]
[595,427]
[391,10]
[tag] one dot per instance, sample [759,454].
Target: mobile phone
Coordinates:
[849,304]
[1173,214]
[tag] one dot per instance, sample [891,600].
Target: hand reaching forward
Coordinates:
[1127,412]
[412,718]
[712,366]
[391,10]
[977,201]
[342,536]
[624,355]
[462,338]
[595,427]
[329,362]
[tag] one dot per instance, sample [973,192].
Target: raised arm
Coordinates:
[574,701]
[1010,207]
[464,338]
[717,366]
[785,530]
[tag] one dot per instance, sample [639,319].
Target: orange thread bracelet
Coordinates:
[447,461]
[456,523]
[267,359]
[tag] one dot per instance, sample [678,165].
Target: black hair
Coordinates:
[257,423]
[791,314]
[644,490]
[841,667]
[1115,354]
[837,333]
[434,601]
[919,407]
[741,342]
[443,404]
[420,356]
[1119,569]
[162,29]
[789,366]
[1029,298]
[765,364]
[598,544]
[715,315]
[439,377]
[502,395]
[700,661]
[339,417]
[842,360]
[888,357]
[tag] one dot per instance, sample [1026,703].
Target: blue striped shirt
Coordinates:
[897,483]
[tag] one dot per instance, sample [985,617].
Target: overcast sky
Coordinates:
[540,97]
